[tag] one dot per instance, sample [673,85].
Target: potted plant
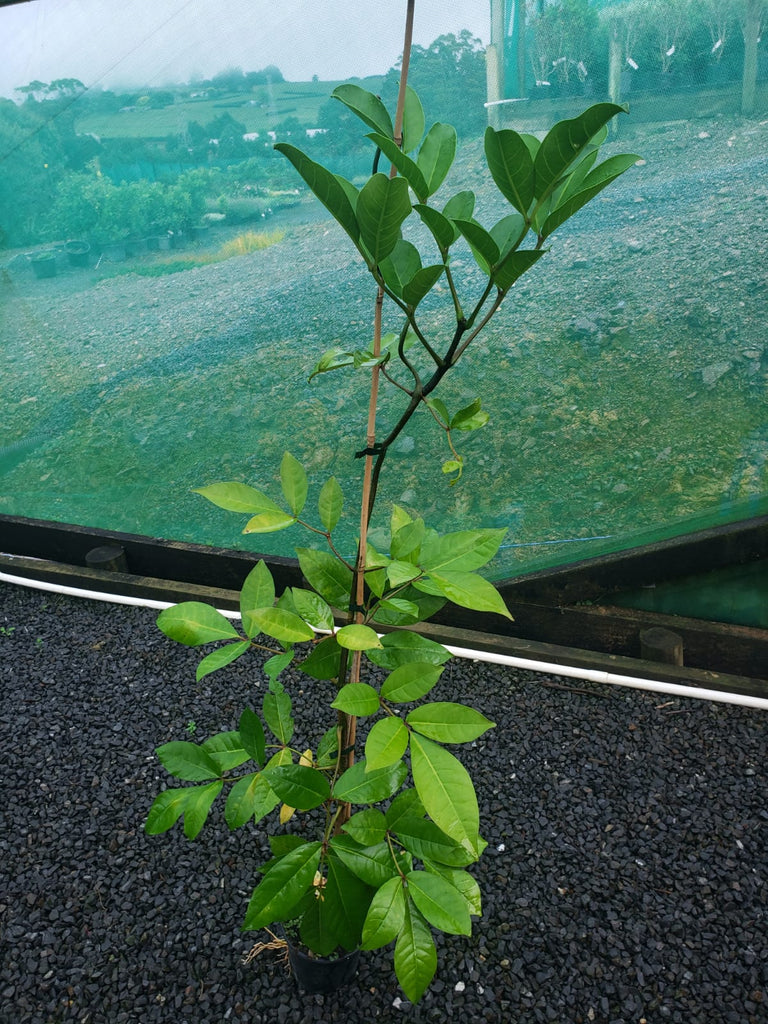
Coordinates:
[394,811]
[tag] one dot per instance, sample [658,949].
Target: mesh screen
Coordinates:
[167,284]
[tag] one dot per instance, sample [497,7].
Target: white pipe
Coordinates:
[550,668]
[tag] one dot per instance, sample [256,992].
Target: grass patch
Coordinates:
[242,245]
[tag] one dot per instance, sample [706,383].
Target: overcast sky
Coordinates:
[111,43]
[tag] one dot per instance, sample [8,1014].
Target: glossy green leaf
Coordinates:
[408,168]
[460,206]
[294,482]
[273,666]
[441,409]
[333,359]
[258,591]
[357,699]
[327,575]
[269,522]
[315,929]
[403,646]
[422,283]
[227,750]
[277,711]
[197,805]
[193,623]
[298,785]
[508,233]
[407,540]
[513,266]
[386,743]
[462,551]
[481,242]
[312,608]
[426,841]
[372,864]
[326,186]
[330,503]
[358,786]
[366,106]
[415,954]
[406,804]
[511,167]
[282,887]
[367,827]
[448,723]
[345,902]
[328,747]
[410,682]
[472,417]
[436,155]
[466,589]
[282,625]
[166,809]
[464,883]
[593,184]
[439,902]
[237,497]
[414,121]
[402,264]
[323,660]
[220,658]
[252,736]
[565,142]
[400,572]
[440,226]
[187,761]
[386,915]
[396,612]
[357,637]
[382,206]
[446,790]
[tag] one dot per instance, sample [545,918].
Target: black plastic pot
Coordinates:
[318,974]
[77,253]
[44,264]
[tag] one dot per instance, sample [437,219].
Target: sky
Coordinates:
[112,43]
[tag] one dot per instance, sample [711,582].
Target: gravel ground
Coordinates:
[625,879]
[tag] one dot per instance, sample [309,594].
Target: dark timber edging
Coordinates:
[562,616]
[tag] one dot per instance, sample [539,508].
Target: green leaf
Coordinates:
[463,882]
[366,106]
[422,283]
[345,903]
[327,187]
[402,647]
[219,658]
[448,723]
[327,575]
[446,790]
[359,786]
[509,232]
[314,928]
[323,661]
[593,184]
[166,809]
[426,841]
[511,167]
[293,480]
[382,207]
[188,761]
[466,589]
[274,666]
[258,591]
[415,954]
[282,625]
[481,242]
[565,142]
[298,785]
[410,682]
[408,168]
[269,522]
[462,551]
[407,540]
[460,206]
[330,503]
[312,608]
[252,736]
[276,709]
[227,750]
[333,359]
[237,497]
[357,637]
[193,623]
[414,121]
[374,865]
[367,827]
[197,805]
[439,902]
[436,155]
[440,226]
[400,572]
[328,747]
[441,409]
[470,418]
[405,805]
[357,699]
[386,743]
[514,265]
[282,887]
[385,916]
[396,612]
[402,264]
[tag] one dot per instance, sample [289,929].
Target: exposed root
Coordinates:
[275,944]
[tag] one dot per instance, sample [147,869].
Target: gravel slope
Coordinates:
[625,879]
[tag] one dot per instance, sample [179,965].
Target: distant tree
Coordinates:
[230,80]
[161,98]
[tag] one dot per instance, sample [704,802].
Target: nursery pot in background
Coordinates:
[77,253]
[44,264]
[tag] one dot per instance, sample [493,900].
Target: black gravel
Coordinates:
[626,878]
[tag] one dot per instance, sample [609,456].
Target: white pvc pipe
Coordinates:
[550,668]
